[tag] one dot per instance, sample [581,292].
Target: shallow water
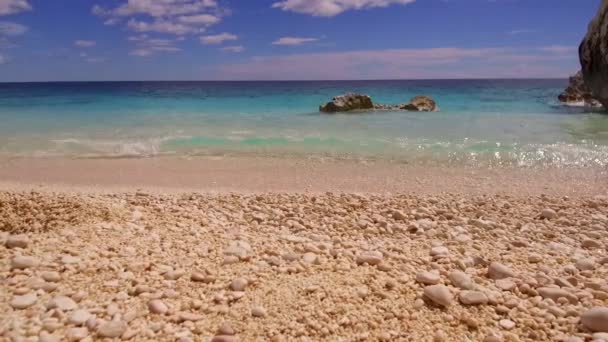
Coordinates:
[509,122]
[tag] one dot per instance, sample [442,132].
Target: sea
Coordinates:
[480,122]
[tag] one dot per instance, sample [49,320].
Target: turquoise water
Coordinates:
[508,122]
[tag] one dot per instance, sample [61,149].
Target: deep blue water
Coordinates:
[491,121]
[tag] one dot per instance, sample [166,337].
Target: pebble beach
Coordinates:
[295,266]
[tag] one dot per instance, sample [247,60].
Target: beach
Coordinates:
[254,248]
[235,211]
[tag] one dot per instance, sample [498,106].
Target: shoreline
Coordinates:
[293,175]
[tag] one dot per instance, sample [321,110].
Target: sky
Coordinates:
[100,40]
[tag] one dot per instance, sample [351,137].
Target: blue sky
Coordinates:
[52,40]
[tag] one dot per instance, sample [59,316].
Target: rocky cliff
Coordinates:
[593,53]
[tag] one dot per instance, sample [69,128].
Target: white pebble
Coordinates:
[62,303]
[473,298]
[79,317]
[461,280]
[17,241]
[439,294]
[21,262]
[239,284]
[258,311]
[112,329]
[157,306]
[370,258]
[25,301]
[499,271]
[428,278]
[596,319]
[507,324]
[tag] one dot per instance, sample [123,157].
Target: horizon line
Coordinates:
[296,80]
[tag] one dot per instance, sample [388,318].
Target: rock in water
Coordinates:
[593,54]
[578,93]
[347,102]
[421,104]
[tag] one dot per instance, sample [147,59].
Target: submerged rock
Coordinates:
[593,54]
[354,102]
[347,103]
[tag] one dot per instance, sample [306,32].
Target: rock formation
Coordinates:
[593,54]
[578,93]
[347,103]
[354,102]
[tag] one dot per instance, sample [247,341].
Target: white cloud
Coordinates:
[14,6]
[291,41]
[235,49]
[448,62]
[141,52]
[11,29]
[218,38]
[157,8]
[161,26]
[520,31]
[330,8]
[177,17]
[85,43]
[201,19]
[147,46]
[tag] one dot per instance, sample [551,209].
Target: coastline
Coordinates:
[294,175]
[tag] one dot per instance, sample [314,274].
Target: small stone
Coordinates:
[174,275]
[473,298]
[69,260]
[371,258]
[596,319]
[258,311]
[23,302]
[51,276]
[17,241]
[21,262]
[225,329]
[239,284]
[535,258]
[189,316]
[590,243]
[112,329]
[202,277]
[492,338]
[439,294]
[157,306]
[601,336]
[399,215]
[309,258]
[499,271]
[505,284]
[62,303]
[548,214]
[461,280]
[506,324]
[77,334]
[428,278]
[79,317]
[553,293]
[585,264]
[439,251]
